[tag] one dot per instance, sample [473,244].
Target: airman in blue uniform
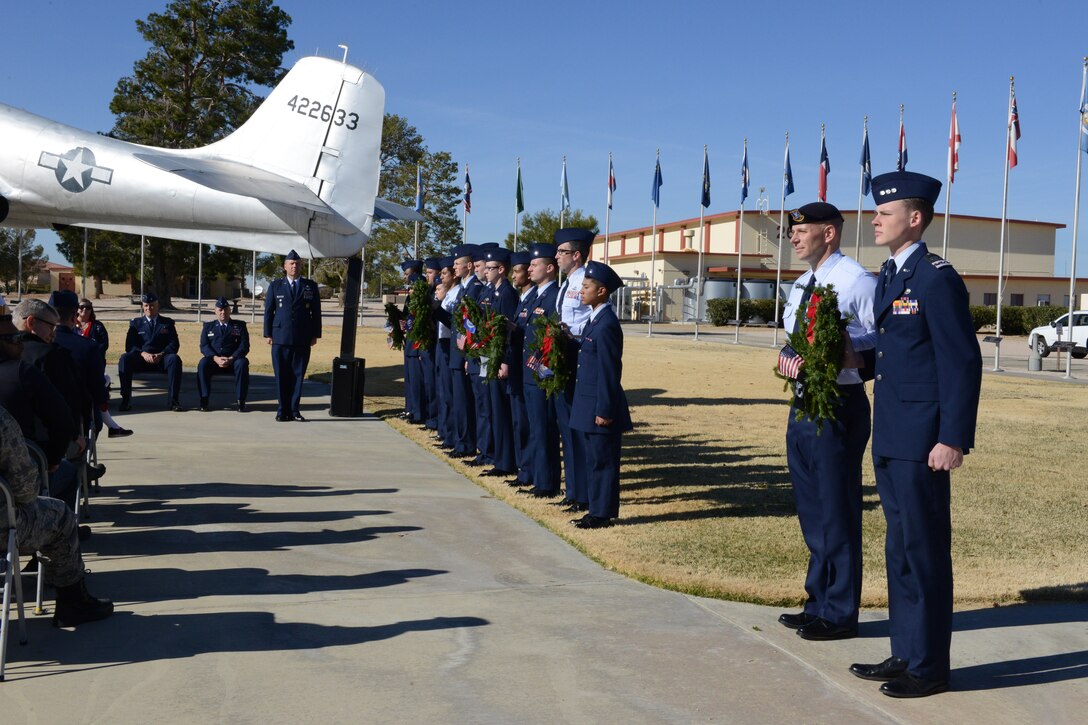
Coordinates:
[151,345]
[414,392]
[515,371]
[926,392]
[224,343]
[503,300]
[463,407]
[599,414]
[484,434]
[432,266]
[292,326]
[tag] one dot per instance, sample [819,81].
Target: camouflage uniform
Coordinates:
[41,524]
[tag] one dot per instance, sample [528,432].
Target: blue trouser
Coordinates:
[825,469]
[543,439]
[63,483]
[414,395]
[463,414]
[429,408]
[520,423]
[443,390]
[289,365]
[574,458]
[484,444]
[502,429]
[131,363]
[602,468]
[206,368]
[918,552]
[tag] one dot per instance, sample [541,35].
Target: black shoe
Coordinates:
[240,406]
[907,685]
[118,433]
[125,406]
[204,405]
[299,418]
[76,606]
[592,522]
[889,669]
[84,533]
[795,621]
[95,472]
[822,630]
[515,483]
[175,405]
[476,462]
[496,472]
[283,418]
[576,507]
[31,565]
[537,493]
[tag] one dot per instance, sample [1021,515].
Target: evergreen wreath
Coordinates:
[393,319]
[420,333]
[548,355]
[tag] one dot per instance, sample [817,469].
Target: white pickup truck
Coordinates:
[1042,339]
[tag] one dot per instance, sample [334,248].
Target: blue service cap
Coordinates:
[221,303]
[292,256]
[413,265]
[603,274]
[520,258]
[463,250]
[488,245]
[574,234]
[149,297]
[905,185]
[818,212]
[433,263]
[541,250]
[63,299]
[499,254]
[445,263]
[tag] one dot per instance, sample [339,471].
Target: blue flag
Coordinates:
[419,191]
[564,202]
[788,178]
[866,165]
[1084,118]
[655,193]
[744,175]
[706,181]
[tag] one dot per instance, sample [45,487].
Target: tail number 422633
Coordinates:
[323,112]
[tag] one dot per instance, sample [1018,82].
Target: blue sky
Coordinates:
[491,81]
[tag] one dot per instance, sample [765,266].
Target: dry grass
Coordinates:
[706,500]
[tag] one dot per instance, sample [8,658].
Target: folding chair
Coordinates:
[11,577]
[89,458]
[37,455]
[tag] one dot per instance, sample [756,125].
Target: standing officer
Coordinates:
[572,250]
[224,343]
[503,300]
[599,414]
[482,295]
[825,462]
[512,372]
[432,266]
[292,325]
[151,345]
[414,392]
[540,409]
[926,391]
[463,406]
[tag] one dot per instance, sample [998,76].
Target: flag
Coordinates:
[655,192]
[520,194]
[1014,131]
[744,175]
[789,362]
[468,193]
[902,146]
[419,191]
[825,169]
[1083,117]
[953,146]
[788,172]
[866,164]
[564,204]
[611,181]
[706,180]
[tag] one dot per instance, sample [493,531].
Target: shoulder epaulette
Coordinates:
[937,261]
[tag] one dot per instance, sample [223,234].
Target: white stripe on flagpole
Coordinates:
[1076,219]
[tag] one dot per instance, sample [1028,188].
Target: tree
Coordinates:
[14,242]
[111,256]
[193,88]
[540,227]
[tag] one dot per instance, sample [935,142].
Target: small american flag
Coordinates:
[534,364]
[789,362]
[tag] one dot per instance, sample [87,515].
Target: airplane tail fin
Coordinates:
[321,127]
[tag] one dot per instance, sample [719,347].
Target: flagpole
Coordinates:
[141,265]
[740,244]
[948,176]
[86,232]
[1076,214]
[562,193]
[861,192]
[1004,226]
[699,272]
[517,213]
[902,141]
[464,214]
[253,292]
[199,281]
[781,244]
[608,209]
[653,252]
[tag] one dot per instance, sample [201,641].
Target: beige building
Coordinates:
[972,249]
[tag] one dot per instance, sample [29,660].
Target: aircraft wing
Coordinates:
[385,209]
[235,178]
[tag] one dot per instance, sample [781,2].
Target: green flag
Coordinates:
[521,193]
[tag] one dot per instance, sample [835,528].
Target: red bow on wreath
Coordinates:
[810,316]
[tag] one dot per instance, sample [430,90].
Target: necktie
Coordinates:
[802,306]
[294,288]
[562,296]
[889,272]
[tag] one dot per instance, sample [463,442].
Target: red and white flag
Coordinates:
[953,146]
[789,362]
[1014,131]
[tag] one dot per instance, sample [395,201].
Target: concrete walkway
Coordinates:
[333,571]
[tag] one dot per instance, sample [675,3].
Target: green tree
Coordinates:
[540,227]
[14,242]
[111,256]
[194,87]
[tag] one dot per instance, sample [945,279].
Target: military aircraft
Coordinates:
[301,173]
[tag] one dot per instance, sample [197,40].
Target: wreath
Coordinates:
[548,355]
[481,334]
[819,345]
[420,323]
[393,320]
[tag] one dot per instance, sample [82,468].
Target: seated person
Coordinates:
[88,326]
[151,345]
[224,343]
[48,526]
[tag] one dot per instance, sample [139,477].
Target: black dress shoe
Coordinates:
[496,472]
[204,405]
[118,433]
[176,406]
[240,406]
[822,630]
[283,418]
[125,406]
[537,493]
[577,507]
[299,418]
[889,669]
[475,463]
[95,472]
[592,522]
[515,483]
[795,621]
[907,685]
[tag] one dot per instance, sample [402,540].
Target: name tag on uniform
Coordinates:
[905,306]
[279,300]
